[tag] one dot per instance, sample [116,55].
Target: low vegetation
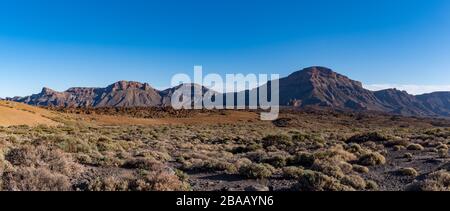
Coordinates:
[310,152]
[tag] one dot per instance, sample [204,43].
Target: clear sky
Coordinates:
[65,43]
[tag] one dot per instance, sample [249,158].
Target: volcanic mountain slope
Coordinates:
[195,91]
[320,86]
[313,86]
[438,102]
[323,87]
[400,102]
[119,94]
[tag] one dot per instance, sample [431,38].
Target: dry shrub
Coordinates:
[347,168]
[372,185]
[372,159]
[442,146]
[410,172]
[278,141]
[257,156]
[242,162]
[142,163]
[354,148]
[360,169]
[366,137]
[256,171]
[35,179]
[247,148]
[106,144]
[162,181]
[21,157]
[442,153]
[277,159]
[107,159]
[71,144]
[292,172]
[408,156]
[210,165]
[2,164]
[399,148]
[303,159]
[316,181]
[336,154]
[341,154]
[396,142]
[39,168]
[302,137]
[437,181]
[3,167]
[160,155]
[328,168]
[354,181]
[415,147]
[110,183]
[40,156]
[372,146]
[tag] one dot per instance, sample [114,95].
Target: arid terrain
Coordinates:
[141,149]
[20,114]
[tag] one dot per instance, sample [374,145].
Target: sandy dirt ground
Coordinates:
[20,114]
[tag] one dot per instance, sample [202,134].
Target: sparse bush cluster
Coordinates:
[436,181]
[327,154]
[277,141]
[58,159]
[35,168]
[159,180]
[316,181]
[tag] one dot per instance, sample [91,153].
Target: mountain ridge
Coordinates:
[312,86]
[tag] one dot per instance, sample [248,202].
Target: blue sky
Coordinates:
[60,44]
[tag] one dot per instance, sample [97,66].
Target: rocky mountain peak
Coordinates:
[125,85]
[48,91]
[312,86]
